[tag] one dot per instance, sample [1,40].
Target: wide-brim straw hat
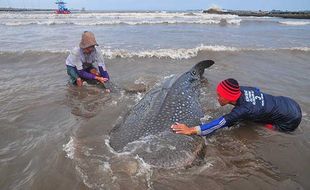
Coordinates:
[88,40]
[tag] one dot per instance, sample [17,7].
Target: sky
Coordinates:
[291,5]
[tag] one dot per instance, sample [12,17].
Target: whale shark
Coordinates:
[145,130]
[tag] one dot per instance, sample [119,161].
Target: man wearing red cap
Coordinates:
[86,63]
[277,112]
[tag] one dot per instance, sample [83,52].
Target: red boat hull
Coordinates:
[63,12]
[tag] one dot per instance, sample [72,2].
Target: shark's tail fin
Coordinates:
[202,65]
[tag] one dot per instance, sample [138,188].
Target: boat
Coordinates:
[62,9]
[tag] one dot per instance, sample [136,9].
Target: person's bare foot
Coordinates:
[79,82]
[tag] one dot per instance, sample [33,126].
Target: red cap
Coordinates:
[229,89]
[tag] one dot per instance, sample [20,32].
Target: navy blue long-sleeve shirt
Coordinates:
[253,105]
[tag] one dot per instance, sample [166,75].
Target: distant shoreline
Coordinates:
[274,13]
[23,9]
[30,10]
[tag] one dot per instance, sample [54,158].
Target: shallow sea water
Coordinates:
[55,136]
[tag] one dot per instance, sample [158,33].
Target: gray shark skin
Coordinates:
[146,132]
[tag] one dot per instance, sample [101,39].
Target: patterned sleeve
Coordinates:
[212,126]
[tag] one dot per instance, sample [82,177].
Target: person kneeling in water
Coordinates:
[277,112]
[87,63]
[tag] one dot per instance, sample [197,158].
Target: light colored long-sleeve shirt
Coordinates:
[83,62]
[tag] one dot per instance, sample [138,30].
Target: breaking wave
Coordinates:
[295,23]
[180,53]
[93,19]
[184,53]
[119,22]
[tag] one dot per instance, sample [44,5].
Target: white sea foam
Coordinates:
[106,166]
[167,77]
[91,19]
[165,53]
[47,22]
[295,23]
[116,22]
[299,48]
[107,143]
[185,53]
[181,53]
[139,96]
[69,148]
[140,80]
[113,15]
[145,170]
